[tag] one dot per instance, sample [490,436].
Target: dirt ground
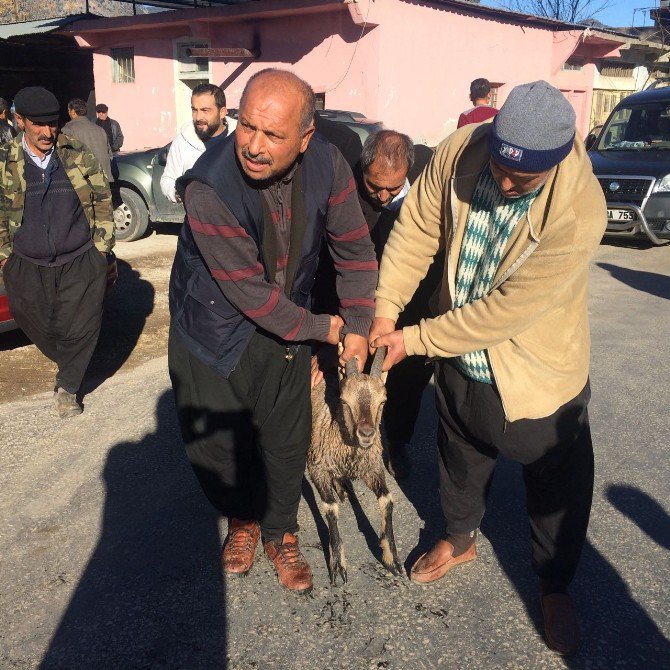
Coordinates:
[134,328]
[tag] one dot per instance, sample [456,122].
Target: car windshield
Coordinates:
[637,128]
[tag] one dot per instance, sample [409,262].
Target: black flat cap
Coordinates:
[37,104]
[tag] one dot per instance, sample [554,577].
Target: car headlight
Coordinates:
[663,184]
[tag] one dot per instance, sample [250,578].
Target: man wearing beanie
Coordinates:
[56,239]
[517,207]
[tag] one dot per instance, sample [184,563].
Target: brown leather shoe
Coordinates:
[293,571]
[434,564]
[561,628]
[237,556]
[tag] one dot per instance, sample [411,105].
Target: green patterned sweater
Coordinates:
[490,223]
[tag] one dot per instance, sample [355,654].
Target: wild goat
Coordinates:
[346,445]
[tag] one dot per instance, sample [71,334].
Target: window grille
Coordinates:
[123,66]
[616,70]
[494,93]
[572,64]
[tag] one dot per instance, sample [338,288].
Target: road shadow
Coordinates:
[165,228]
[420,486]
[647,282]
[152,595]
[14,339]
[125,314]
[617,630]
[627,242]
[643,510]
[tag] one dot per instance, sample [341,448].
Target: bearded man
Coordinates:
[210,125]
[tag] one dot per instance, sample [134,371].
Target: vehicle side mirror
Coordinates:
[590,141]
[162,156]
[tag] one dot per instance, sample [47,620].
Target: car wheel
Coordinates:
[131,217]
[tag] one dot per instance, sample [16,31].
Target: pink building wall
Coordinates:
[145,109]
[426,87]
[320,51]
[409,65]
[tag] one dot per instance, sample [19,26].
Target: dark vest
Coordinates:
[210,326]
[54,229]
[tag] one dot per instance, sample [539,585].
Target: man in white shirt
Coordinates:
[210,125]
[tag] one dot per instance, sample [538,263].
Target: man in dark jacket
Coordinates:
[258,205]
[383,179]
[110,126]
[388,163]
[56,239]
[89,134]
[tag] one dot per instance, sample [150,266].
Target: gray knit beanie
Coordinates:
[534,130]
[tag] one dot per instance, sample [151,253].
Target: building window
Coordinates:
[123,66]
[494,93]
[616,70]
[573,64]
[190,67]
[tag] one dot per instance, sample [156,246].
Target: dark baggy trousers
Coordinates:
[404,389]
[247,436]
[60,309]
[556,454]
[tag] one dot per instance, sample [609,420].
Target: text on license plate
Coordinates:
[621,215]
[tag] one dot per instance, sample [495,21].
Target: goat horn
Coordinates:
[351,367]
[378,362]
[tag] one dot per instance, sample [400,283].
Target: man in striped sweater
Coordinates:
[258,206]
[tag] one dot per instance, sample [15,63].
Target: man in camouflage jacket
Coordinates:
[56,239]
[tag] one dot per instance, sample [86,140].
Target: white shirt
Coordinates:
[40,162]
[185,150]
[396,203]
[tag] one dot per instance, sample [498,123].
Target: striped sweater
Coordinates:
[235,263]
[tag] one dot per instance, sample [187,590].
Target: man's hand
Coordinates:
[336,324]
[396,348]
[380,326]
[355,345]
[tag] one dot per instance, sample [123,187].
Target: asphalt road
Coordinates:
[109,552]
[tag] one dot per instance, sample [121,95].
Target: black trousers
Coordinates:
[247,436]
[404,389]
[556,454]
[60,309]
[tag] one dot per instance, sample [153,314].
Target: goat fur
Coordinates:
[347,444]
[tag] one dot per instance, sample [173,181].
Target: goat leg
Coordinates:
[338,564]
[386,537]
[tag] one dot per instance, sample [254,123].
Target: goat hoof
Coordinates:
[338,572]
[395,568]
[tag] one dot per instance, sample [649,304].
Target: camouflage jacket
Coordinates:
[86,176]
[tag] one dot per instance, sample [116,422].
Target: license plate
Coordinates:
[621,215]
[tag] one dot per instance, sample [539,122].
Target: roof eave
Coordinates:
[185,17]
